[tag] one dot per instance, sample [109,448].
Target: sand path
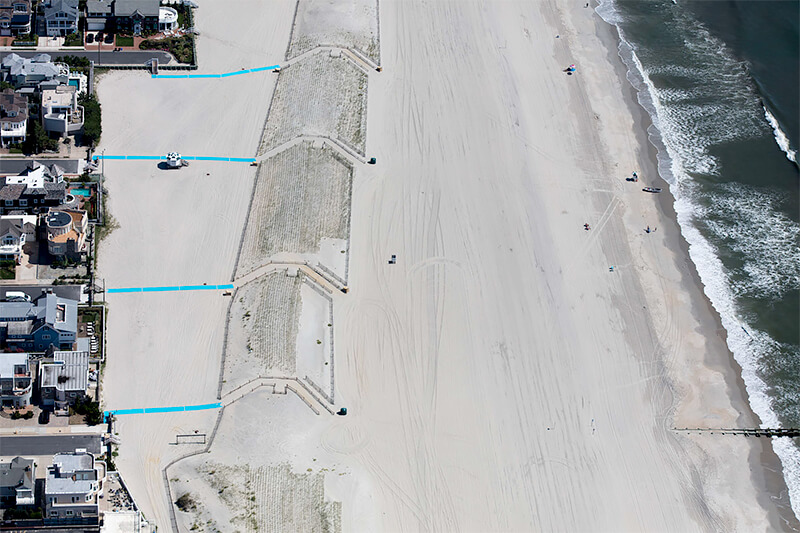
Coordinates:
[501,377]
[498,377]
[177,226]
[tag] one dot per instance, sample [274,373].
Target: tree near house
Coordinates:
[92,127]
[38,139]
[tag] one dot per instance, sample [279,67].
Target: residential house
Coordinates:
[33,190]
[63,169]
[15,17]
[66,232]
[60,110]
[16,383]
[98,14]
[64,380]
[36,326]
[71,490]
[61,17]
[136,16]
[17,482]
[15,231]
[13,117]
[32,72]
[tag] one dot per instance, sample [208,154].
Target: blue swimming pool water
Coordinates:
[73,82]
[82,192]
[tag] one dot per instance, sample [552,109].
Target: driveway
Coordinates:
[125,57]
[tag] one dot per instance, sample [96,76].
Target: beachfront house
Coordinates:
[15,17]
[64,380]
[66,232]
[13,117]
[36,326]
[98,13]
[61,17]
[15,231]
[17,483]
[71,490]
[33,72]
[136,16]
[33,190]
[16,383]
[56,172]
[61,113]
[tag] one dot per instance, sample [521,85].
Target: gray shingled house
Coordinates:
[17,482]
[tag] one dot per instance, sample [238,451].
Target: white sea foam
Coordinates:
[748,221]
[780,136]
[682,146]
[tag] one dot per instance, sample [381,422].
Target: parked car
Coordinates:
[44,416]
[109,39]
[89,38]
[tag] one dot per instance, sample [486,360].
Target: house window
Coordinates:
[53,514]
[68,513]
[23,202]
[9,203]
[45,337]
[36,200]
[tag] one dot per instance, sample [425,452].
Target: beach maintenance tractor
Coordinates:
[174,160]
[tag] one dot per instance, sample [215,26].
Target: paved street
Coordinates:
[48,444]
[134,57]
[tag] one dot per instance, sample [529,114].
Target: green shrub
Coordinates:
[92,126]
[38,140]
[73,61]
[180,47]
[90,410]
[74,39]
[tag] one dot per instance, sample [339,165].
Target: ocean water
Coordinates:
[720,81]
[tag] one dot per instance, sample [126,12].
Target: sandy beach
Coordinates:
[501,376]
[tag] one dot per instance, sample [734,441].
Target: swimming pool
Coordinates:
[81,192]
[74,82]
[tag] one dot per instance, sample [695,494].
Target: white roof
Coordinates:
[9,360]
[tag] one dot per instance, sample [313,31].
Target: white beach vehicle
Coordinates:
[174,160]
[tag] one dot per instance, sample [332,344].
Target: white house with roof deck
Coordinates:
[16,383]
[61,113]
[71,490]
[64,380]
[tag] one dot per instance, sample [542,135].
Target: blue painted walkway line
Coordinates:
[217,76]
[164,158]
[172,288]
[150,410]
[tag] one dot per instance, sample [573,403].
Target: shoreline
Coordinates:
[766,467]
